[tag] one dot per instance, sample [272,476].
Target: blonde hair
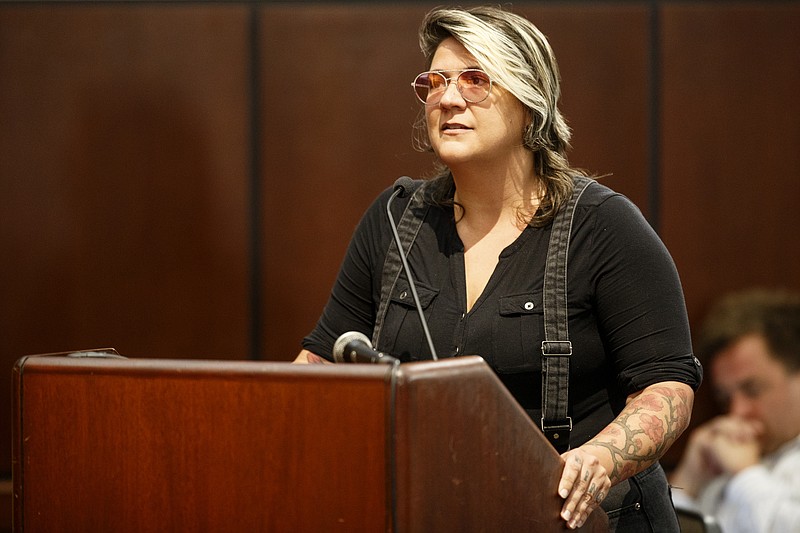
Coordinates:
[517,56]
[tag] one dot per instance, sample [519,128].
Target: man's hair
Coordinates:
[773,314]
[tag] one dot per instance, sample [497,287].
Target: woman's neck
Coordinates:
[486,197]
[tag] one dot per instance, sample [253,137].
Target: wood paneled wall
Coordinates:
[181,180]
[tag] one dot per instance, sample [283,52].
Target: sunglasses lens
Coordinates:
[429,87]
[474,85]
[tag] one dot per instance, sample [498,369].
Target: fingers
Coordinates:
[735,428]
[732,444]
[584,485]
[314,359]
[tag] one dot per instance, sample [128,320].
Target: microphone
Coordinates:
[355,347]
[401,188]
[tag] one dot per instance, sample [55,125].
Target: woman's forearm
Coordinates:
[648,425]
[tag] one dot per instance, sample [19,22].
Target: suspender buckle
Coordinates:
[556,348]
[557,432]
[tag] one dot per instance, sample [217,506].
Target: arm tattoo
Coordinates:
[645,429]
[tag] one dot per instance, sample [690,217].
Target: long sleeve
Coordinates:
[761,499]
[758,500]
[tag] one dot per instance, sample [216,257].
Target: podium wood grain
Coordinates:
[184,445]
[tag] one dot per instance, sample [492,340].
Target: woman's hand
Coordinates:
[584,484]
[306,357]
[650,422]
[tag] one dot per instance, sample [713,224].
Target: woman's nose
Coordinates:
[452,96]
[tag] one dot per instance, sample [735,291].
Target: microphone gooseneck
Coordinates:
[401,188]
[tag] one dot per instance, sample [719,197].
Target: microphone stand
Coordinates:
[400,188]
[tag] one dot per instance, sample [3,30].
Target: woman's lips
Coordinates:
[454,126]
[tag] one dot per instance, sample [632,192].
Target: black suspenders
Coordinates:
[407,228]
[556,348]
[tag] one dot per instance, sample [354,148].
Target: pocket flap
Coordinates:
[402,294]
[521,304]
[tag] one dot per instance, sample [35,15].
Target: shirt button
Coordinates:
[528,306]
[463,315]
[403,295]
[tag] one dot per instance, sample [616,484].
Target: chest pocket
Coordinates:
[401,316]
[402,294]
[518,333]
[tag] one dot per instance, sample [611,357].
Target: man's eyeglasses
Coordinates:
[473,84]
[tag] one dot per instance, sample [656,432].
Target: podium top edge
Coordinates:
[63,363]
[121,365]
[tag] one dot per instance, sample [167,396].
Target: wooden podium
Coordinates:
[111,444]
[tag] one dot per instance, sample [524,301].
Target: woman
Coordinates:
[490,115]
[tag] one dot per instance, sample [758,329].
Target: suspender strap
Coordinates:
[408,228]
[557,348]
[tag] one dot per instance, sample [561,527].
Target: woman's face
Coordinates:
[488,132]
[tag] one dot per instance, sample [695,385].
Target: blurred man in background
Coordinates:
[743,468]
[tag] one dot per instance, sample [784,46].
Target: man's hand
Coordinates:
[725,445]
[733,444]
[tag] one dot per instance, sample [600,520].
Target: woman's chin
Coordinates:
[454,157]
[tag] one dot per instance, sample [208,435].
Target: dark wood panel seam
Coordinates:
[255,204]
[654,119]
